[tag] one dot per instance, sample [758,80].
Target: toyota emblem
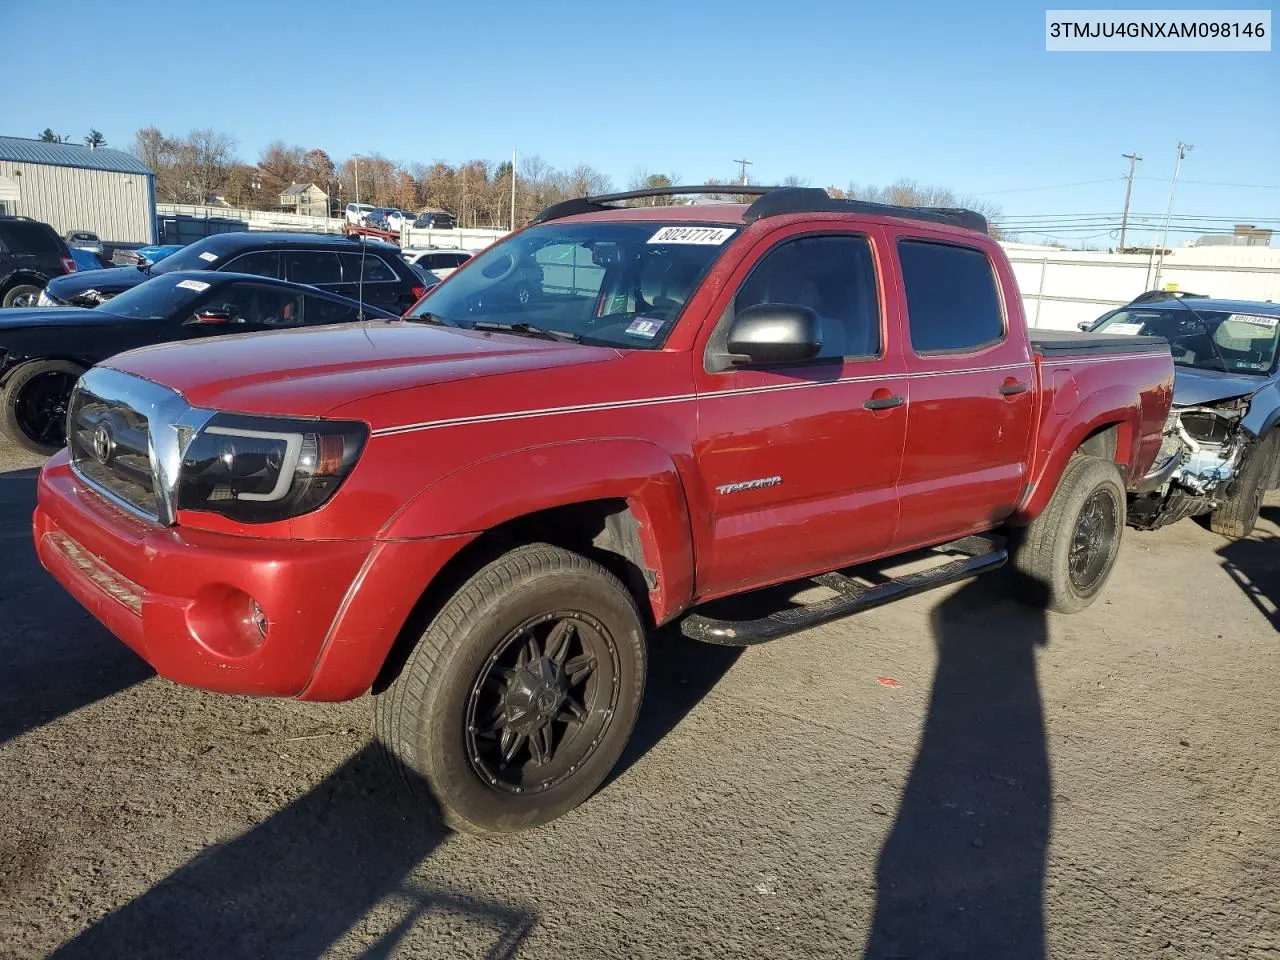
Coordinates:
[104,445]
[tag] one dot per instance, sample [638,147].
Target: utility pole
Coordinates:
[1133,158]
[356,161]
[513,189]
[1183,149]
[744,164]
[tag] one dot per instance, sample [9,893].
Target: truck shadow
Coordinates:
[294,884]
[54,656]
[962,871]
[1254,566]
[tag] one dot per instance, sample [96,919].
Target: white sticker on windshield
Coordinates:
[199,286]
[210,257]
[1126,329]
[1271,322]
[645,327]
[713,236]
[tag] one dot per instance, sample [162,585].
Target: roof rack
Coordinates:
[772,202]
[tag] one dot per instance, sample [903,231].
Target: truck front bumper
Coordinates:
[310,619]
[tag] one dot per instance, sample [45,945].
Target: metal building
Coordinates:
[71,187]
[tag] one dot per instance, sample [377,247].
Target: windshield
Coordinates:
[1207,339]
[620,284]
[156,299]
[201,255]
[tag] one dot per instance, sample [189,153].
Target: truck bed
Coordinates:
[1050,343]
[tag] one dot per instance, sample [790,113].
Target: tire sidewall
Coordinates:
[18,290]
[1085,477]
[17,382]
[442,737]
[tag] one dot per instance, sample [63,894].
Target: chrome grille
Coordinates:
[127,437]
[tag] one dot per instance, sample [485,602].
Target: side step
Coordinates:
[981,555]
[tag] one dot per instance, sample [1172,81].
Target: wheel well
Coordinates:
[20,277]
[604,530]
[1104,443]
[7,372]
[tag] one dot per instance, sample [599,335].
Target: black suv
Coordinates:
[31,253]
[331,263]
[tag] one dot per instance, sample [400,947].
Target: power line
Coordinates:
[1056,186]
[1219,183]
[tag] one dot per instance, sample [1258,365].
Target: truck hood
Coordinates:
[32,317]
[109,280]
[310,372]
[1194,388]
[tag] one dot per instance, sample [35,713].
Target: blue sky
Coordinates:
[954,94]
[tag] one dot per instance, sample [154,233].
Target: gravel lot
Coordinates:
[949,776]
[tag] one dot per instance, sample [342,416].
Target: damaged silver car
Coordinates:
[1220,450]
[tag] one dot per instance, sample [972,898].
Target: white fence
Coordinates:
[472,238]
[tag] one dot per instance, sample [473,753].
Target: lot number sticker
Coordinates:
[706,236]
[1257,321]
[644,327]
[198,286]
[1125,329]
[210,257]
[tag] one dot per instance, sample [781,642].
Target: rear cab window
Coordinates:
[953,301]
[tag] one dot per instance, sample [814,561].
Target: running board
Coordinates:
[981,555]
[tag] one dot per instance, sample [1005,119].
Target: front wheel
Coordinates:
[23,295]
[1064,557]
[33,405]
[520,695]
[1238,515]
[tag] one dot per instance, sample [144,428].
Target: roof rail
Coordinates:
[772,202]
[786,200]
[569,208]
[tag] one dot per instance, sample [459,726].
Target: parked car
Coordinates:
[333,263]
[31,253]
[435,220]
[429,279]
[1221,449]
[144,255]
[441,263]
[356,212]
[84,260]
[43,351]
[399,219]
[84,240]
[480,515]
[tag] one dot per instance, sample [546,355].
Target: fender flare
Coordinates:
[1115,406]
[505,487]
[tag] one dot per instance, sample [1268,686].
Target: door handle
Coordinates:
[1012,387]
[883,403]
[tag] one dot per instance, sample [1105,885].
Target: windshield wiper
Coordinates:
[431,318]
[528,330]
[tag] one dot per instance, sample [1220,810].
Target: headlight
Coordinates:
[260,469]
[44,300]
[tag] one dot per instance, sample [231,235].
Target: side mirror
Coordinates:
[774,333]
[1084,325]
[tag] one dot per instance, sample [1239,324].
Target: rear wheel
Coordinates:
[1065,556]
[519,697]
[33,406]
[1238,515]
[23,295]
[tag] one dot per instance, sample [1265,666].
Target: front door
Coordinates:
[973,394]
[797,471]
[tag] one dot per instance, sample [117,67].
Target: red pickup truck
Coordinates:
[480,511]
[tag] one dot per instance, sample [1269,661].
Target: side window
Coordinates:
[312,266]
[375,269]
[249,305]
[833,276]
[321,310]
[262,263]
[952,300]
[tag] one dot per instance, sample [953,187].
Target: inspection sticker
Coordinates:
[712,236]
[1125,329]
[645,327]
[198,286]
[208,256]
[1255,319]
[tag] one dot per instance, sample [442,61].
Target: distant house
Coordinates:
[306,199]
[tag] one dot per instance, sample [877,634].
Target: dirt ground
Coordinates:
[954,775]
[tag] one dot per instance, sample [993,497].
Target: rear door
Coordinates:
[973,392]
[798,473]
[382,286]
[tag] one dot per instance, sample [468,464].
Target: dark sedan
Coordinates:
[43,350]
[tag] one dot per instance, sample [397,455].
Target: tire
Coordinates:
[1063,559]
[1238,515]
[431,718]
[36,421]
[23,295]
